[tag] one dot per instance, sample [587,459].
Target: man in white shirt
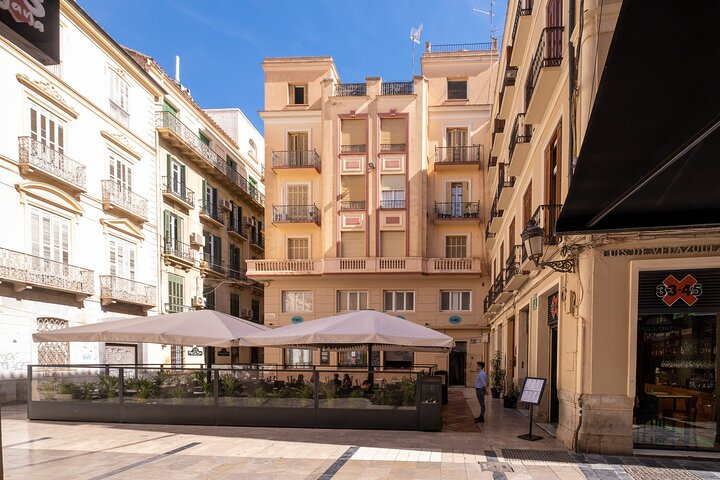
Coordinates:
[480,390]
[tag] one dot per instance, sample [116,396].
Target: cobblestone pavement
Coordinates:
[461,451]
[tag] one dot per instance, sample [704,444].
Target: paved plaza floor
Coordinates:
[463,450]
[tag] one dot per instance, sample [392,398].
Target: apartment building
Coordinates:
[586,280]
[375,200]
[211,211]
[78,186]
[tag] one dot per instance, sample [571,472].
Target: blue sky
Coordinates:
[222,43]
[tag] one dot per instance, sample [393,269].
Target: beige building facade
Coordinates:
[593,329]
[375,197]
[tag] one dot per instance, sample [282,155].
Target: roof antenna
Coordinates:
[415,38]
[491,14]
[177,69]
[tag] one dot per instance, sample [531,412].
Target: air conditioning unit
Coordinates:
[225,204]
[247,220]
[197,240]
[198,302]
[247,313]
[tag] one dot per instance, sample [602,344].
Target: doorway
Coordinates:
[554,402]
[458,363]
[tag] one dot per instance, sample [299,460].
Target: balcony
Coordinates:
[211,266]
[176,192]
[397,88]
[27,271]
[296,214]
[498,136]
[392,204]
[283,267]
[296,159]
[458,47]
[257,241]
[505,188]
[358,148]
[502,294]
[350,90]
[235,228]
[178,254]
[544,73]
[515,276]
[492,162]
[495,219]
[352,205]
[453,266]
[520,30]
[123,290]
[457,211]
[189,145]
[546,217]
[211,213]
[462,155]
[519,144]
[38,158]
[393,147]
[507,93]
[490,237]
[373,265]
[488,301]
[118,197]
[237,272]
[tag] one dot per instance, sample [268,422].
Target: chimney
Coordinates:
[177,69]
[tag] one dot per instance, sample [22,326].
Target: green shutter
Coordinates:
[182,178]
[169,168]
[218,250]
[166,225]
[169,108]
[204,193]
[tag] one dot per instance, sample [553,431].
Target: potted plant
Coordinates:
[497,375]
[511,396]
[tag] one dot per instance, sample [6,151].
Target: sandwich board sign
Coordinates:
[531,393]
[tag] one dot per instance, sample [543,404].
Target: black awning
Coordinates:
[650,158]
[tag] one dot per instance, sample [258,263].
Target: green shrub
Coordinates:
[86,390]
[68,388]
[107,386]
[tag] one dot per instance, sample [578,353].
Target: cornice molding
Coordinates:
[123,226]
[49,194]
[122,142]
[48,92]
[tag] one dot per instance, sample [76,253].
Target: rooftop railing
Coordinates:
[37,155]
[397,88]
[458,47]
[31,270]
[350,89]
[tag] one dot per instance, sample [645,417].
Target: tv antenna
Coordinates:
[490,14]
[415,38]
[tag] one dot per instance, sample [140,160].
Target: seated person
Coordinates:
[300,379]
[337,381]
[346,383]
[366,387]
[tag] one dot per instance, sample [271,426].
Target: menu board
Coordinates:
[532,390]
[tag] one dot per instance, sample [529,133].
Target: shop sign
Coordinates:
[679,291]
[324,357]
[553,308]
[223,352]
[455,319]
[297,319]
[34,26]
[684,249]
[671,290]
[195,352]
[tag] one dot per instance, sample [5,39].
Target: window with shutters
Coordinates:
[297,301]
[47,129]
[297,146]
[297,94]
[456,246]
[457,89]
[212,249]
[209,295]
[169,108]
[176,177]
[120,171]
[235,264]
[353,137]
[352,192]
[457,194]
[392,244]
[455,300]
[527,205]
[392,189]
[232,164]
[352,244]
[49,235]
[122,258]
[172,230]
[398,301]
[457,141]
[234,304]
[119,94]
[349,301]
[176,293]
[203,138]
[298,248]
[393,135]
[297,194]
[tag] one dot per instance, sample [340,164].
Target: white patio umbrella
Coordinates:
[197,327]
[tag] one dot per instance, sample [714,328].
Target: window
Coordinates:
[527,205]
[176,293]
[352,192]
[297,194]
[122,258]
[176,177]
[235,266]
[119,91]
[297,301]
[348,301]
[353,136]
[457,142]
[297,94]
[209,295]
[234,304]
[455,300]
[399,301]
[298,248]
[352,359]
[169,108]
[50,235]
[298,357]
[212,249]
[352,244]
[392,244]
[457,194]
[172,229]
[203,138]
[232,164]
[457,89]
[298,149]
[210,200]
[47,129]
[120,172]
[393,191]
[253,150]
[456,246]
[392,134]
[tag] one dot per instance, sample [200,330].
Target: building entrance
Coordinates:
[458,362]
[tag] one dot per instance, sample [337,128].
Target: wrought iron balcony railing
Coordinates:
[350,89]
[546,217]
[212,211]
[504,181]
[499,283]
[524,7]
[489,299]
[296,214]
[295,158]
[352,205]
[392,204]
[115,195]
[458,47]
[549,53]
[492,162]
[457,210]
[178,249]
[512,265]
[494,211]
[116,289]
[521,133]
[235,226]
[257,240]
[23,269]
[397,88]
[36,155]
[178,190]
[498,126]
[488,234]
[458,154]
[212,262]
[392,147]
[119,113]
[509,79]
[237,271]
[358,148]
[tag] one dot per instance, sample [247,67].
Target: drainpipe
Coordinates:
[571,91]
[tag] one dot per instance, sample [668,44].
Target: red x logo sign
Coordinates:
[680,290]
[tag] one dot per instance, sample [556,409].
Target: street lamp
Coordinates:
[533,238]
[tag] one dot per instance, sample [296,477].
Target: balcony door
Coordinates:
[553,167]
[120,173]
[456,199]
[298,148]
[554,35]
[122,258]
[172,227]
[297,198]
[50,235]
[456,141]
[47,129]
[176,177]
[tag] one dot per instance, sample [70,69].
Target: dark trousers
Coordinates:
[480,393]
